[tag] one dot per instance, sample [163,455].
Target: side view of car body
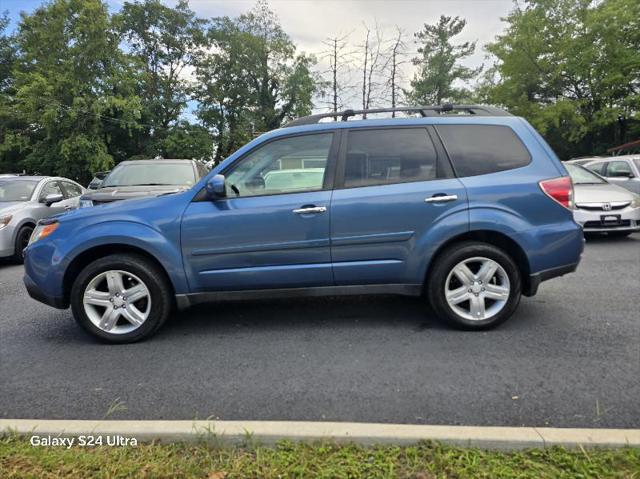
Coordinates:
[26,199]
[602,207]
[471,210]
[620,170]
[139,178]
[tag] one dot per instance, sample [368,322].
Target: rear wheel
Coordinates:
[474,285]
[121,298]
[22,241]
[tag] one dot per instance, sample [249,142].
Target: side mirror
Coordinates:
[216,187]
[52,198]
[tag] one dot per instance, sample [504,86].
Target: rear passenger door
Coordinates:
[395,192]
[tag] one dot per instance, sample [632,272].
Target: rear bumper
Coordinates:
[36,293]
[591,221]
[537,278]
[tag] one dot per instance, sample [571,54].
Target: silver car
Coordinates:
[26,199]
[620,170]
[601,207]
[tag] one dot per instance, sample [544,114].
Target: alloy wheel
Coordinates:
[117,302]
[477,288]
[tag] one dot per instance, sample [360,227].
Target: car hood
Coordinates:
[600,193]
[11,206]
[115,193]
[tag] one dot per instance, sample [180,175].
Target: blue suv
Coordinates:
[465,205]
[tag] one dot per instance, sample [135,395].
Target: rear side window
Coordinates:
[482,149]
[378,157]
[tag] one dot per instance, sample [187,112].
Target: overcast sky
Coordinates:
[309,22]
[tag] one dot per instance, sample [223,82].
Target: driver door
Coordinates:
[51,187]
[272,228]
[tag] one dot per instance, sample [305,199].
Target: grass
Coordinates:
[428,460]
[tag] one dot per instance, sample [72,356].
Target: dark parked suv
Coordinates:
[464,205]
[138,178]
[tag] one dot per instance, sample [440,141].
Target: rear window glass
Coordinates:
[481,149]
[378,157]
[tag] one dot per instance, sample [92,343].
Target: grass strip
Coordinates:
[427,460]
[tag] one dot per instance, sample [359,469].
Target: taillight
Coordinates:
[560,190]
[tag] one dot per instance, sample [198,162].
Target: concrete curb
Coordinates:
[269,432]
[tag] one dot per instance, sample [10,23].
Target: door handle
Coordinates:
[310,210]
[441,198]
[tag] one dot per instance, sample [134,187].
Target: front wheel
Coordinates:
[22,241]
[121,298]
[474,286]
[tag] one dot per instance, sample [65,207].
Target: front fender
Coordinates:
[48,261]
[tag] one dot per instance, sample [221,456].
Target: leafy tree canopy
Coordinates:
[572,68]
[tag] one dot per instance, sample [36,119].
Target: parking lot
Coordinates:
[570,357]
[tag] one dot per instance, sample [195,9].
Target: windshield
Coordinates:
[20,190]
[140,174]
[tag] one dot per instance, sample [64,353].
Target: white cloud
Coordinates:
[309,22]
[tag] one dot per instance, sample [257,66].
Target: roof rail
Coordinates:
[432,110]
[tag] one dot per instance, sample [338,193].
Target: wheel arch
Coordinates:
[494,238]
[96,252]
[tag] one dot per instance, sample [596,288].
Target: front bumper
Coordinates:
[591,221]
[6,241]
[36,293]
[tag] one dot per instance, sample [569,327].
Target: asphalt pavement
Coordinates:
[570,357]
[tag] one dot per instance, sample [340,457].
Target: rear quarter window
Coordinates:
[482,149]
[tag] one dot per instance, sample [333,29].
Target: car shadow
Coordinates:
[6,262]
[303,313]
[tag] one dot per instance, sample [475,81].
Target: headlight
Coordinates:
[42,231]
[4,220]
[635,203]
[86,203]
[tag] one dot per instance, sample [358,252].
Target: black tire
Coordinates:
[153,277]
[444,264]
[22,240]
[619,234]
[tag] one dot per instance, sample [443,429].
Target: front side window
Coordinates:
[51,188]
[619,168]
[378,157]
[288,165]
[72,189]
[637,162]
[482,149]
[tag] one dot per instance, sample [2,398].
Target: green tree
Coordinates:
[71,86]
[251,80]
[162,41]
[572,68]
[11,144]
[187,141]
[439,70]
